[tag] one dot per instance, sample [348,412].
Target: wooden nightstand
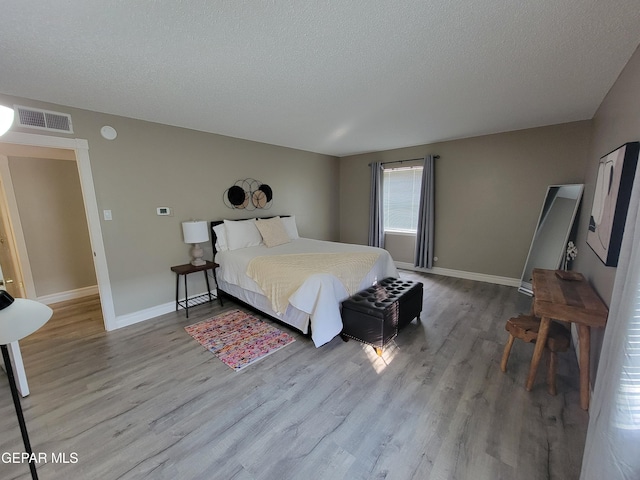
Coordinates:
[199,299]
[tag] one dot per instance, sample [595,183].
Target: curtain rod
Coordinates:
[410,160]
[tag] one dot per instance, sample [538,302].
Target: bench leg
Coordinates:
[551,373]
[541,341]
[506,353]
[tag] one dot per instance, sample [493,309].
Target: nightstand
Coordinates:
[199,299]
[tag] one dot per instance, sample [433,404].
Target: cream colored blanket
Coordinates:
[279,276]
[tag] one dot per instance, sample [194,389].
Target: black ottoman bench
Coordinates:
[374,315]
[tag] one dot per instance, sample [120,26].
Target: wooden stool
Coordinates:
[525,327]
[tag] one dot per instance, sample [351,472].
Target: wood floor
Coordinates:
[147,401]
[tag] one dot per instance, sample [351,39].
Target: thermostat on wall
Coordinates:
[164,211]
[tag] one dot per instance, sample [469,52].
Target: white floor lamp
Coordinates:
[19,318]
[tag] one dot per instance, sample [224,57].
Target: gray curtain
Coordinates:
[376,224]
[424,234]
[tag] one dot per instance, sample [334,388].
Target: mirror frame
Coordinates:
[525,286]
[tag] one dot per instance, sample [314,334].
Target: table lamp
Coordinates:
[196,232]
[18,318]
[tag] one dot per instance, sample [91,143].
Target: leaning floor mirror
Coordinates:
[554,226]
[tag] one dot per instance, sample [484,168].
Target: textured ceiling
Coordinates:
[337,77]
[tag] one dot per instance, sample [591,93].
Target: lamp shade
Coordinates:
[195,231]
[6,119]
[22,318]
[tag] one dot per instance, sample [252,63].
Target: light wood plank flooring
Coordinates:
[147,401]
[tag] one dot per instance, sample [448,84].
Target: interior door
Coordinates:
[11,281]
[10,274]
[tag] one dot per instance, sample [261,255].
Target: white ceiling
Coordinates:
[335,77]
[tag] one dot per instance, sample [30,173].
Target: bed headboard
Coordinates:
[213,223]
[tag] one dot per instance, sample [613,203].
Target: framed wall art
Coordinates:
[616,172]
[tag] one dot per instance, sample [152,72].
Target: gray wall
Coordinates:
[151,165]
[53,223]
[489,192]
[617,121]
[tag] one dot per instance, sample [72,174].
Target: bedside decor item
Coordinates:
[19,318]
[248,194]
[196,232]
[616,172]
[238,339]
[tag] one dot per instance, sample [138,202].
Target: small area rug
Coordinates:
[238,339]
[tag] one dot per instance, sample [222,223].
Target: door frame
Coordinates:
[21,260]
[81,148]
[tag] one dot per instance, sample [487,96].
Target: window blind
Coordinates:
[401,198]
[628,398]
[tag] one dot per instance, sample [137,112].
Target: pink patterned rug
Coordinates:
[238,339]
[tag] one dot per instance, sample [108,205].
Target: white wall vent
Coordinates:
[43,119]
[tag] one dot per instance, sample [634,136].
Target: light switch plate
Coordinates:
[107,215]
[164,211]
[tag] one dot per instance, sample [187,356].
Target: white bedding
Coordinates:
[320,295]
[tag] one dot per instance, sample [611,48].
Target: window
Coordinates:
[628,398]
[401,199]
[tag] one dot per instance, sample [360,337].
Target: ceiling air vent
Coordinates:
[43,119]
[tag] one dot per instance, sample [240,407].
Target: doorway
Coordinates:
[11,278]
[45,230]
[79,149]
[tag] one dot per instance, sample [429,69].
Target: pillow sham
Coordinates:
[221,237]
[273,232]
[290,226]
[242,234]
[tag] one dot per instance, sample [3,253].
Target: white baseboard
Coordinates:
[151,312]
[142,315]
[446,272]
[68,295]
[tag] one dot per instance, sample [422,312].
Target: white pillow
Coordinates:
[290,226]
[221,237]
[273,232]
[242,234]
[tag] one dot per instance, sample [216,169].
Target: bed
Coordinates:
[297,281]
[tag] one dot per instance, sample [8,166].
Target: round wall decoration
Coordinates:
[237,197]
[248,194]
[267,191]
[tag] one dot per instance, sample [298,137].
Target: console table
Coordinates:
[572,300]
